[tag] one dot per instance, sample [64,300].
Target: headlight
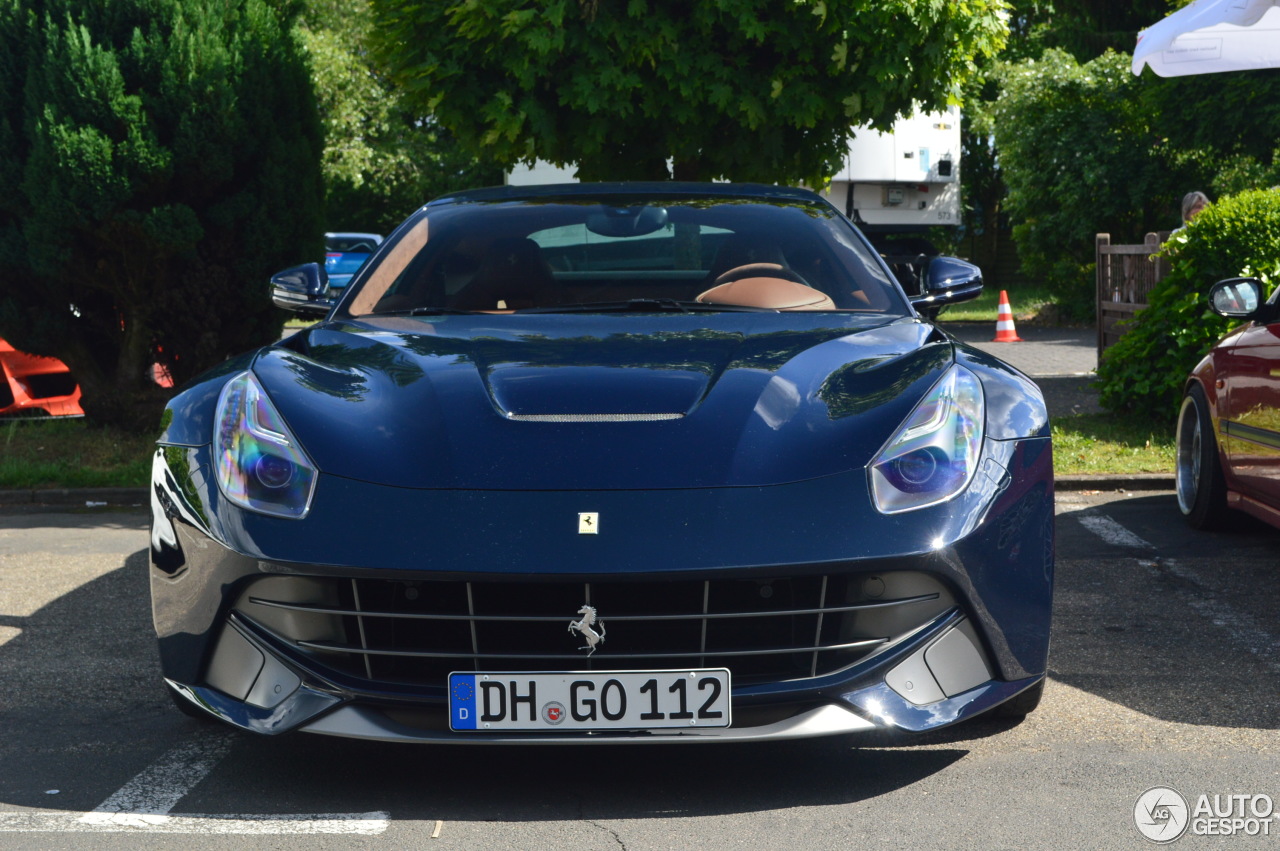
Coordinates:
[260,465]
[935,452]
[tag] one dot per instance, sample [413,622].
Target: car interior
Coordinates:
[636,256]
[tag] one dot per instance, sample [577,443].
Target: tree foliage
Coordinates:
[725,88]
[381,158]
[1082,146]
[1080,156]
[158,160]
[1235,118]
[1084,28]
[1146,368]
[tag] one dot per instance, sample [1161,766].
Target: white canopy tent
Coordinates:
[1211,36]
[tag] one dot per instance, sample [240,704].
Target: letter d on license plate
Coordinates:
[588,700]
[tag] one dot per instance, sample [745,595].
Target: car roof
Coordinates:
[647,189]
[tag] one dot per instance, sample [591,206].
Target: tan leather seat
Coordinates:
[772,293]
[776,270]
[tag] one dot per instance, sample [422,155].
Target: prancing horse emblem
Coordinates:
[585,626]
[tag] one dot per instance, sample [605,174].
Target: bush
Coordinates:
[159,159]
[1146,369]
[1079,156]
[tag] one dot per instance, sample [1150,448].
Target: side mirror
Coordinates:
[948,280]
[1240,298]
[302,289]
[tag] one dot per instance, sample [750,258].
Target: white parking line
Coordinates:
[165,782]
[1243,629]
[143,804]
[1112,532]
[361,824]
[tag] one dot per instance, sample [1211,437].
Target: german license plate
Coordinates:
[589,700]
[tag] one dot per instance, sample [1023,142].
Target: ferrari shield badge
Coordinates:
[588,523]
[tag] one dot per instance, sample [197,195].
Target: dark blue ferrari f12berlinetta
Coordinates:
[608,463]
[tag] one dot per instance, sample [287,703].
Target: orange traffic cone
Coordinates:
[1005,332]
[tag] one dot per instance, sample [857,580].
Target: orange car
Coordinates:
[34,386]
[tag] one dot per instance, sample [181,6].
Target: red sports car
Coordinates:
[1229,425]
[34,386]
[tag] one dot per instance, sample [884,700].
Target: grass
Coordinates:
[1026,300]
[1112,444]
[71,453]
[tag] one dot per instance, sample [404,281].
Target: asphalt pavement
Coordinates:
[1061,360]
[1162,675]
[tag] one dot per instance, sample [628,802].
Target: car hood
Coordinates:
[591,401]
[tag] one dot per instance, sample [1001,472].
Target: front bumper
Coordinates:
[990,550]
[859,703]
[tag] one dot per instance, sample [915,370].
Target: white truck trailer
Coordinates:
[903,181]
[895,186]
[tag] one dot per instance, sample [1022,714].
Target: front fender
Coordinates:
[1015,404]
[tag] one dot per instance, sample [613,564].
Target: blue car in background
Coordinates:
[345,253]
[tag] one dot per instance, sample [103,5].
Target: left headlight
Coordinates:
[934,454]
[260,465]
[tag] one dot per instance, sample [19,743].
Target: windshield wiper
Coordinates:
[646,305]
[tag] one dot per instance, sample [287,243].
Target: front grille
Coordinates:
[763,630]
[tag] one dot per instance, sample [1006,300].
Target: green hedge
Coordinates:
[1079,155]
[1146,369]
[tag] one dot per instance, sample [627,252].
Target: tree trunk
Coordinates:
[126,396]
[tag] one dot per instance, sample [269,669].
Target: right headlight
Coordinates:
[934,454]
[259,463]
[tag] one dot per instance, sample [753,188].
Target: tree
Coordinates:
[1084,28]
[723,88]
[1234,118]
[158,160]
[381,158]
[1079,156]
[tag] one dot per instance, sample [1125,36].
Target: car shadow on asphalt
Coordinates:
[81,688]
[84,710]
[83,698]
[463,783]
[1179,626]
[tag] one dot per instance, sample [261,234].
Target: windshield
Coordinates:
[583,254]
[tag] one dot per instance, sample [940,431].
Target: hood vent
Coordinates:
[592,418]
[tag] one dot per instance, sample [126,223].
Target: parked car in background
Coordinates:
[661,462]
[345,253]
[1228,437]
[34,386]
